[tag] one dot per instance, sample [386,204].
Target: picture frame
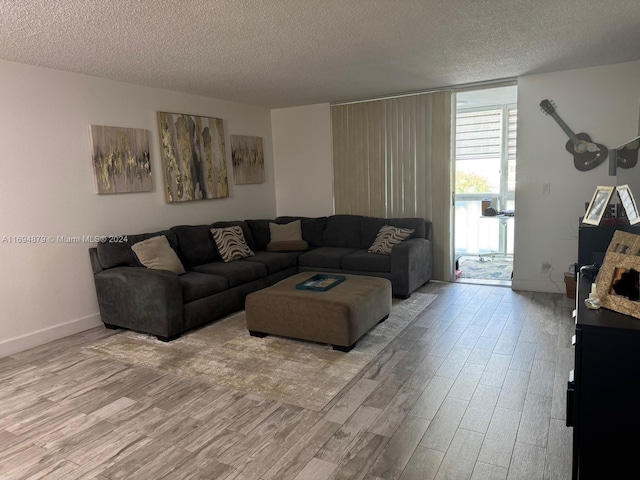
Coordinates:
[598,205]
[618,282]
[247,159]
[194,160]
[629,204]
[120,159]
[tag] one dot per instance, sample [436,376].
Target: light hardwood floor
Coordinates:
[473,389]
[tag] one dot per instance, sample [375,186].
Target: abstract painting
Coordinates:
[120,158]
[193,157]
[247,158]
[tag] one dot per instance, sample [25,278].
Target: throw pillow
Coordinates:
[286,232]
[387,238]
[286,237]
[231,243]
[156,253]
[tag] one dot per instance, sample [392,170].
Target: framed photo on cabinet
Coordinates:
[598,205]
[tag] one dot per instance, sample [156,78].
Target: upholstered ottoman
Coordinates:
[339,316]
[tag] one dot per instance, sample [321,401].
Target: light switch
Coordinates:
[546,188]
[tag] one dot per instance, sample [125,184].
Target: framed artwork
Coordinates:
[629,203]
[598,205]
[120,160]
[247,158]
[193,154]
[618,282]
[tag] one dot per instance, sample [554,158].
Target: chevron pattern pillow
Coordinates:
[231,243]
[387,237]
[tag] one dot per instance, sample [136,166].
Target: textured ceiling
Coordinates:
[278,53]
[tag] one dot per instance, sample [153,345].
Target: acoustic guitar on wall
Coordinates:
[627,155]
[587,155]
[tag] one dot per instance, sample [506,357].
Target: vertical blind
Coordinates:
[391,158]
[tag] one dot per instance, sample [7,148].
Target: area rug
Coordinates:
[300,373]
[487,268]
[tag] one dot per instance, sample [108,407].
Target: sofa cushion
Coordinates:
[387,238]
[260,233]
[372,225]
[156,253]
[237,273]
[197,285]
[312,228]
[324,257]
[195,244]
[246,231]
[363,261]
[275,262]
[288,246]
[231,243]
[343,231]
[119,254]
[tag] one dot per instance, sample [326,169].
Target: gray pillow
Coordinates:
[286,237]
[287,232]
[231,243]
[387,238]
[156,253]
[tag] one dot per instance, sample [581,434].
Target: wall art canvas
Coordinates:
[247,157]
[120,159]
[193,157]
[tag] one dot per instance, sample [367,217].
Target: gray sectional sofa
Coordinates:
[165,304]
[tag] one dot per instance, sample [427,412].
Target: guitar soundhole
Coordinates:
[580,147]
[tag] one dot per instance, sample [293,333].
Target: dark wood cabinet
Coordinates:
[593,241]
[603,395]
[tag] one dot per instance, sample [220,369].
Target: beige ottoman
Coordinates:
[339,316]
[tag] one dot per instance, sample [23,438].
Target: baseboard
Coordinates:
[46,335]
[545,286]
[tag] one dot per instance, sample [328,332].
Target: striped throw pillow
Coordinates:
[231,243]
[387,237]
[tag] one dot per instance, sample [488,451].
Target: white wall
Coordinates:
[302,153]
[46,188]
[600,101]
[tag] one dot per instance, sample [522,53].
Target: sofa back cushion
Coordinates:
[260,233]
[343,231]
[372,225]
[119,254]
[195,245]
[312,228]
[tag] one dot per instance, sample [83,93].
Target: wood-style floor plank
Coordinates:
[473,389]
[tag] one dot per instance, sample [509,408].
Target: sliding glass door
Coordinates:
[485,164]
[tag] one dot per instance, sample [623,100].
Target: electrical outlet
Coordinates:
[545,267]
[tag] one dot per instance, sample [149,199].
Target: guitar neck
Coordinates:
[566,128]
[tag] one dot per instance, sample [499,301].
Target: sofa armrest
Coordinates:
[142,299]
[411,265]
